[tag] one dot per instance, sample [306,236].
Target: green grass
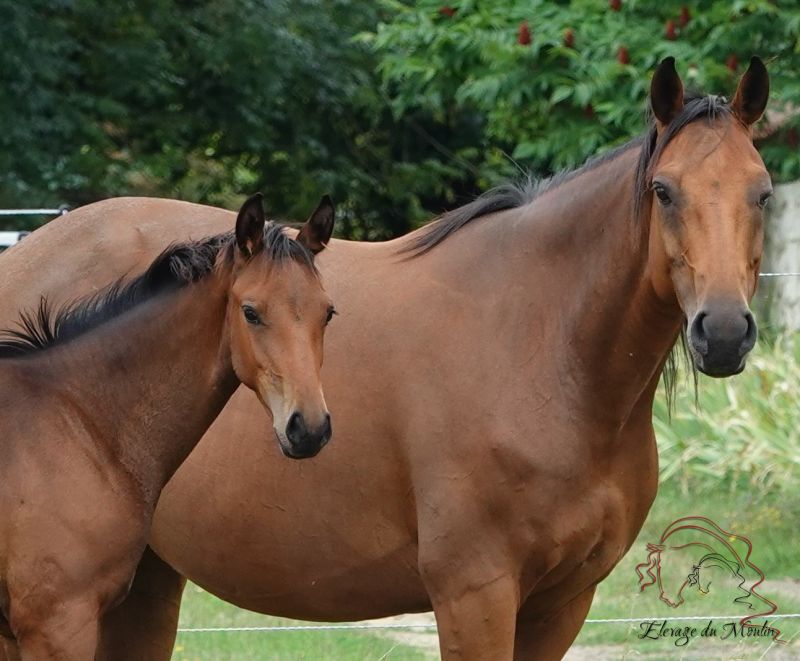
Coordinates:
[744,431]
[200,609]
[772,525]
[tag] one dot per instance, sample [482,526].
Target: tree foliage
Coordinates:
[554,82]
[205,101]
[398,109]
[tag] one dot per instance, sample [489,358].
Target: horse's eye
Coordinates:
[331,312]
[662,194]
[762,201]
[251,315]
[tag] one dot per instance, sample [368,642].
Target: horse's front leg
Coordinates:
[475,596]
[65,632]
[8,649]
[143,626]
[476,622]
[549,636]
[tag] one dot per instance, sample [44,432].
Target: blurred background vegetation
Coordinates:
[400,109]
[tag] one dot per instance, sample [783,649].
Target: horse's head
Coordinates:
[718,567]
[709,188]
[277,313]
[664,568]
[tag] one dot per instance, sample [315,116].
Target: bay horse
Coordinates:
[104,399]
[492,377]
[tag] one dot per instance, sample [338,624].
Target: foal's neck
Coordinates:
[147,384]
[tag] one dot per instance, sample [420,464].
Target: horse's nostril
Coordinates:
[698,335]
[326,427]
[701,320]
[750,335]
[296,426]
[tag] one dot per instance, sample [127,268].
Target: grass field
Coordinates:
[771,522]
[773,526]
[200,609]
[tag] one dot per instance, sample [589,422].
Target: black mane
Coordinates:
[515,195]
[179,265]
[696,106]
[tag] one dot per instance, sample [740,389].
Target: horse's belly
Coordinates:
[310,591]
[289,538]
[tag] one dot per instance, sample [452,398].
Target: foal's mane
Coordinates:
[514,195]
[176,267]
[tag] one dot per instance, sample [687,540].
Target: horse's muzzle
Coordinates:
[720,339]
[304,441]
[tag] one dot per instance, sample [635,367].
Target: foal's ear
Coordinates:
[317,230]
[250,226]
[666,91]
[751,96]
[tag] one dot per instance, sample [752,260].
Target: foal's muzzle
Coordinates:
[720,339]
[305,441]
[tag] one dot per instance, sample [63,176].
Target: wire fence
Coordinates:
[361,626]
[60,211]
[34,212]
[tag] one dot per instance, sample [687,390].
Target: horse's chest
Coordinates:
[585,512]
[578,549]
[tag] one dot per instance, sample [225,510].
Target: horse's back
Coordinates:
[94,245]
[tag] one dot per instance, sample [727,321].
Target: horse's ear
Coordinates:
[317,230]
[250,226]
[751,96]
[666,91]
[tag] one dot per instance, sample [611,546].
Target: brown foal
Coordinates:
[104,400]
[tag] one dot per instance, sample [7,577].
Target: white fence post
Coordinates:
[782,254]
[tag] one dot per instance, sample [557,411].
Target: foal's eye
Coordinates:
[250,315]
[662,194]
[762,201]
[331,312]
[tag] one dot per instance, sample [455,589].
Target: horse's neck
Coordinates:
[614,332]
[147,384]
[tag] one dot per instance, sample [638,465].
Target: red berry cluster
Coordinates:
[670,31]
[524,34]
[623,56]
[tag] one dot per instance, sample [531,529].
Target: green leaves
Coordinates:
[541,102]
[745,431]
[212,101]
[399,109]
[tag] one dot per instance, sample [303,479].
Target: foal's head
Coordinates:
[278,312]
[709,188]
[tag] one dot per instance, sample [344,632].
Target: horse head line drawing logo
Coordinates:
[694,545]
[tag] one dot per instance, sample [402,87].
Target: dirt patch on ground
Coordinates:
[425,639]
[789,587]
